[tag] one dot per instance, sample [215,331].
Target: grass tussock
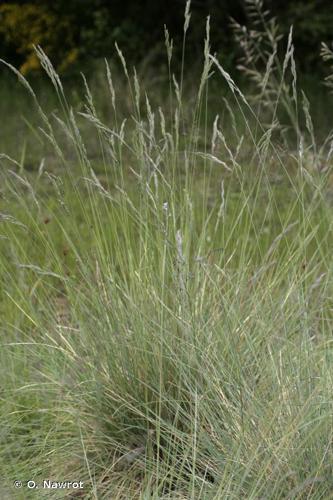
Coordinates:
[167,306]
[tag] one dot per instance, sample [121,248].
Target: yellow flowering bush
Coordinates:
[25,26]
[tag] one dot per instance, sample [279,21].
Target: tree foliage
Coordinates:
[79,30]
[25,26]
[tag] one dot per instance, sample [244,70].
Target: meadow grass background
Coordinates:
[166,284]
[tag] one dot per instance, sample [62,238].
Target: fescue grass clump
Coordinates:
[167,306]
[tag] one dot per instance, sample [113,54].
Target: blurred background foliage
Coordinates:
[76,32]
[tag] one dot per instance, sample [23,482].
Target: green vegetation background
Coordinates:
[74,32]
